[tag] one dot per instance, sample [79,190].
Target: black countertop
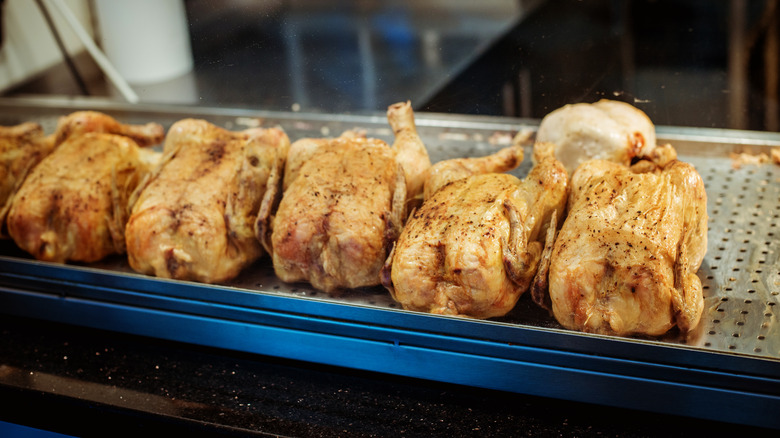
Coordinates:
[86,382]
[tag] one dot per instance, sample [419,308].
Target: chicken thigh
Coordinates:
[472,248]
[194,218]
[626,257]
[21,148]
[344,205]
[607,129]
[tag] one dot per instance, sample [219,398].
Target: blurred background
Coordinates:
[684,62]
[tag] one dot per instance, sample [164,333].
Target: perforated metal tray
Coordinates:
[727,369]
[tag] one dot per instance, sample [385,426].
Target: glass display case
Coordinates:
[477,74]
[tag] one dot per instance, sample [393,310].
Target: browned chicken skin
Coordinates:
[472,248]
[21,148]
[625,260]
[344,205]
[194,218]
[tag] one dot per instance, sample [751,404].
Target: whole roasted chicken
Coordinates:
[21,148]
[344,204]
[607,130]
[626,257]
[474,245]
[194,217]
[73,204]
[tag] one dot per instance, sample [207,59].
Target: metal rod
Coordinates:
[101,60]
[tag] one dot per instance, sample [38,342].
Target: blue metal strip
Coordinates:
[610,383]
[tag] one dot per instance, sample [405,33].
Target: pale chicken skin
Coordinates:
[473,247]
[194,218]
[22,147]
[73,204]
[344,204]
[626,258]
[607,130]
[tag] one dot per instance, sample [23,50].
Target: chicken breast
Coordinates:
[625,260]
[73,205]
[344,205]
[607,130]
[194,218]
[22,147]
[473,247]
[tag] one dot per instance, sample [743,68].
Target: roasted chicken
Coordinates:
[194,217]
[73,205]
[473,247]
[344,205]
[626,258]
[21,148]
[607,130]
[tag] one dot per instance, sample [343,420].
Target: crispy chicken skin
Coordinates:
[344,205]
[607,130]
[194,217]
[73,204]
[625,260]
[21,148]
[472,248]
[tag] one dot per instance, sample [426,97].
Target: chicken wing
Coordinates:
[473,247]
[81,122]
[344,205]
[607,129]
[193,219]
[21,148]
[444,172]
[625,260]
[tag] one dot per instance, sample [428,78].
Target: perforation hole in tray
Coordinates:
[740,274]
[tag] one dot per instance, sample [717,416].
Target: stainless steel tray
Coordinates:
[727,369]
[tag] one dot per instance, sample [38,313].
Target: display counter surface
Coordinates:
[86,382]
[725,370]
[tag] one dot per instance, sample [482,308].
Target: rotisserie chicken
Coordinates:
[194,218]
[607,129]
[344,205]
[21,148]
[626,257]
[73,205]
[473,247]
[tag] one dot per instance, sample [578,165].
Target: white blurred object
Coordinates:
[607,130]
[28,47]
[146,40]
[101,60]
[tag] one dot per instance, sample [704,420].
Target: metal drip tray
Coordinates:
[727,369]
